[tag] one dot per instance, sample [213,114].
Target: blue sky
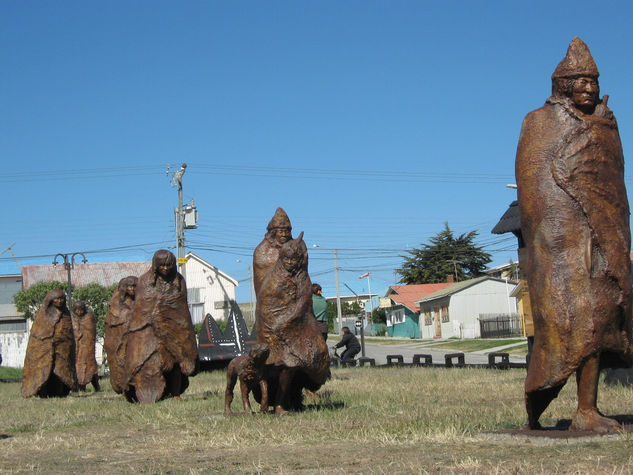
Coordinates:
[371,122]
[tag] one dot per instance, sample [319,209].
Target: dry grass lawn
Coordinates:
[365,420]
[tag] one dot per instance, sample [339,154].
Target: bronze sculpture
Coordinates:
[85,331]
[266,253]
[575,222]
[161,347]
[285,320]
[49,365]
[249,369]
[116,327]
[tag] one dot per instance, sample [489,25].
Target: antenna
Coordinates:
[14,257]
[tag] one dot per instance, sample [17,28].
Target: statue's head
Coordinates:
[576,77]
[127,286]
[79,308]
[259,353]
[293,254]
[164,264]
[56,298]
[279,227]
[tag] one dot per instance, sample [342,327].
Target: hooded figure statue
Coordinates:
[575,223]
[85,330]
[285,322]
[267,252]
[49,365]
[161,347]
[116,327]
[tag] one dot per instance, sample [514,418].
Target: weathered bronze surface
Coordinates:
[116,328]
[161,347]
[85,331]
[284,317]
[575,222]
[49,365]
[249,369]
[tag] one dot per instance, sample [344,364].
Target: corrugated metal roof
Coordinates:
[510,222]
[407,294]
[102,273]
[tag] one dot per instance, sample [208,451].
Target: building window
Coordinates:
[197,312]
[193,295]
[445,317]
[428,320]
[13,326]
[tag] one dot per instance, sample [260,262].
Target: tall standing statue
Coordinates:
[575,222]
[116,327]
[85,330]
[298,355]
[49,365]
[161,346]
[279,231]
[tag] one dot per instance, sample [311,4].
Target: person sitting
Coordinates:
[350,342]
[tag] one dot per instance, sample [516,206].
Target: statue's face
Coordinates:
[130,290]
[79,311]
[59,302]
[291,263]
[283,235]
[585,94]
[165,269]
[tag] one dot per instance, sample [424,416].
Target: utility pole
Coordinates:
[176,180]
[69,264]
[338,293]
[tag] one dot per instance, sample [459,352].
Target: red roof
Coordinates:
[103,273]
[407,294]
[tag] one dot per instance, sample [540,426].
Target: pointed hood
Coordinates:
[280,220]
[577,63]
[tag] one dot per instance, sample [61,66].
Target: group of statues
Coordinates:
[575,224]
[149,340]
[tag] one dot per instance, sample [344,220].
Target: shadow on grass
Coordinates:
[561,429]
[5,436]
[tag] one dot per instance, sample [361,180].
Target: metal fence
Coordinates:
[499,325]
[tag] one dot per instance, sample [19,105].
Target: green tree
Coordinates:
[348,309]
[444,255]
[97,298]
[379,315]
[28,301]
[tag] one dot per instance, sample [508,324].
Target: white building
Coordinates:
[456,310]
[209,290]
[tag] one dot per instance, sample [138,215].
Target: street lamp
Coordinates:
[68,265]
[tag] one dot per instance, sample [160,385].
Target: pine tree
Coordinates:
[444,255]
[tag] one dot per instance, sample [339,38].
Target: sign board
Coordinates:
[358,323]
[182,260]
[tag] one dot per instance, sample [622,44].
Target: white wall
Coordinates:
[489,296]
[214,287]
[13,347]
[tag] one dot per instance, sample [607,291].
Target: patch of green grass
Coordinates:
[476,344]
[10,373]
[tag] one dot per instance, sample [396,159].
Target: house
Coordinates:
[510,222]
[401,310]
[456,311]
[14,326]
[209,290]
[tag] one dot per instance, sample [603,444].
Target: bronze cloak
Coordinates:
[85,330]
[286,323]
[50,351]
[160,337]
[116,328]
[575,223]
